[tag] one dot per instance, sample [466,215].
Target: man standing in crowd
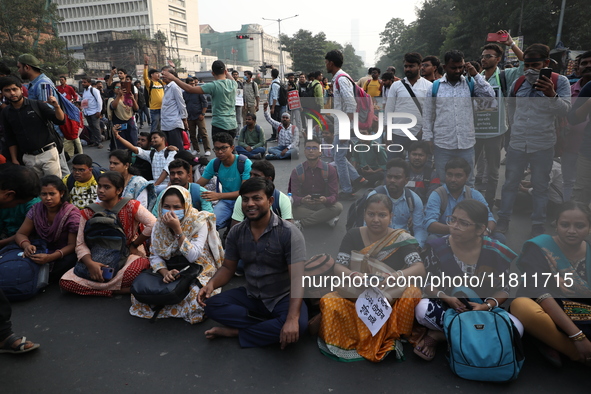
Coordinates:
[29,68]
[197,107]
[501,81]
[238,108]
[344,100]
[26,130]
[66,90]
[448,116]
[579,114]
[533,111]
[270,309]
[315,186]
[223,97]
[173,115]
[276,109]
[251,95]
[430,68]
[408,96]
[92,105]
[373,86]
[143,114]
[155,87]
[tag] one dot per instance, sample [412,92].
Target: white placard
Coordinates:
[373,309]
[239,97]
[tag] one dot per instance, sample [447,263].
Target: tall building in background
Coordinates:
[178,20]
[355,39]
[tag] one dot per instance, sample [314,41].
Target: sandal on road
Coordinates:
[428,342]
[7,347]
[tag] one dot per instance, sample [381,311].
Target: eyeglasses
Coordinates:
[462,224]
[312,148]
[487,56]
[221,148]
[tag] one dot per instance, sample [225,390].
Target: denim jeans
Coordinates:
[442,156]
[242,151]
[345,170]
[491,147]
[582,189]
[223,213]
[541,166]
[155,116]
[276,150]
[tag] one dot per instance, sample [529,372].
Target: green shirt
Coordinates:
[223,101]
[254,138]
[11,219]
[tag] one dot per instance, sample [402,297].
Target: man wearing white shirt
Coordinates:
[92,105]
[408,96]
[173,114]
[448,121]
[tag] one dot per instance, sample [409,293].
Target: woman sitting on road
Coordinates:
[55,221]
[110,188]
[342,333]
[557,312]
[136,187]
[465,252]
[182,234]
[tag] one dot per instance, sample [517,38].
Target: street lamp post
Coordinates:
[280,47]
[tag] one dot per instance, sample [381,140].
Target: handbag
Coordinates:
[368,264]
[150,288]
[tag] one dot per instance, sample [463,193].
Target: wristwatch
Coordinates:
[178,236]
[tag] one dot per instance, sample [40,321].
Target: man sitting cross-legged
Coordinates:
[269,309]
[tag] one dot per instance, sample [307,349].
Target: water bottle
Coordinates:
[290,198]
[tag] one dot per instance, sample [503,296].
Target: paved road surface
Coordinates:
[93,345]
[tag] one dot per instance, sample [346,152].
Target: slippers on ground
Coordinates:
[8,342]
[427,342]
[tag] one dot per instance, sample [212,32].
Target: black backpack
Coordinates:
[355,213]
[106,239]
[282,98]
[59,141]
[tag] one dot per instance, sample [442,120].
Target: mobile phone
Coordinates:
[466,303]
[496,37]
[39,251]
[123,126]
[107,272]
[257,316]
[127,86]
[315,196]
[546,72]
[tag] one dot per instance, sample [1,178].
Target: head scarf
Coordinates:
[165,244]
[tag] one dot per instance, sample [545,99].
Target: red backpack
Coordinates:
[364,104]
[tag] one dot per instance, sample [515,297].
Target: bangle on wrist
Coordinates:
[492,298]
[178,236]
[20,245]
[490,308]
[61,253]
[439,292]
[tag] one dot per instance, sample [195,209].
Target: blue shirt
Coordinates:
[229,177]
[35,87]
[434,203]
[402,214]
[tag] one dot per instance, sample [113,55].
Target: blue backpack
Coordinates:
[482,345]
[216,168]
[436,83]
[20,277]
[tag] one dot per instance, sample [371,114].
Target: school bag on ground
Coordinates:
[20,277]
[483,345]
[106,239]
[149,287]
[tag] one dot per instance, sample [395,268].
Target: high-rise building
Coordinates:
[177,19]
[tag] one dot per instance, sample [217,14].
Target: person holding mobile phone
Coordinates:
[92,106]
[120,110]
[182,236]
[539,99]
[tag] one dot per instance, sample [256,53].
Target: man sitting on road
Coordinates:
[441,203]
[251,141]
[314,186]
[269,310]
[423,178]
[288,138]
[232,170]
[180,175]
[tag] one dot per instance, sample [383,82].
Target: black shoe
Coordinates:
[347,196]
[359,183]
[502,225]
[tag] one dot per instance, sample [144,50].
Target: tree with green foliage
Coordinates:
[30,27]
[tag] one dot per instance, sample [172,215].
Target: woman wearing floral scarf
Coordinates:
[182,232]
